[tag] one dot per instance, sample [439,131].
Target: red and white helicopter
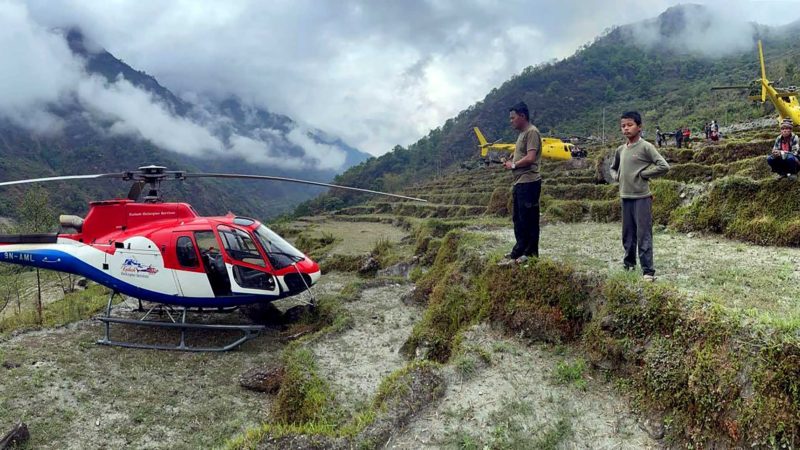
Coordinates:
[168,254]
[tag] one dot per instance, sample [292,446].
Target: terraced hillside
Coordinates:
[706,355]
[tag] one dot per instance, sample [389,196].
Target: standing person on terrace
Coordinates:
[635,163]
[524,166]
[784,160]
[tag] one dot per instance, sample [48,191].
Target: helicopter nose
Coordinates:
[315,276]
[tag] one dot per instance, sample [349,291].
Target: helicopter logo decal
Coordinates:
[133,268]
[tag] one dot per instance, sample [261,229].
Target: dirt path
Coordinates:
[357,360]
[518,402]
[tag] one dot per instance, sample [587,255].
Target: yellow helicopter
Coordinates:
[552,148]
[784,99]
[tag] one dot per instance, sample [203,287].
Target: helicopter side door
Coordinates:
[191,276]
[249,273]
[213,262]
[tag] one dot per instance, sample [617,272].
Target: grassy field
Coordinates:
[761,281]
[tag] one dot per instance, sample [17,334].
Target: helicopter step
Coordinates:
[248,332]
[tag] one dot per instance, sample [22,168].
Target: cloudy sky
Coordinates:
[376,73]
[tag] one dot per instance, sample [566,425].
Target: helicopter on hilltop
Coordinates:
[552,148]
[168,254]
[761,89]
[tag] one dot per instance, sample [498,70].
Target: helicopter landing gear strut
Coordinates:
[248,332]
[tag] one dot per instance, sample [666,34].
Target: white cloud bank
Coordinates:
[38,71]
[373,73]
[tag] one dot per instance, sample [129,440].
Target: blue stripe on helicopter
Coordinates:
[64,262]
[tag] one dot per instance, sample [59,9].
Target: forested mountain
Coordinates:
[643,66]
[89,141]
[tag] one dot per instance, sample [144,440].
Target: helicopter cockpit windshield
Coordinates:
[280,253]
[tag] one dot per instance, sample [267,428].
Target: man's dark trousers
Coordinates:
[637,231]
[526,218]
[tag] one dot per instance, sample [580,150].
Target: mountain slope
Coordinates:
[99,139]
[617,72]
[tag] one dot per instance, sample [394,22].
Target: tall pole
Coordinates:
[604,124]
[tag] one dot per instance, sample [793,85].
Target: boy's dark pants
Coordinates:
[637,231]
[526,218]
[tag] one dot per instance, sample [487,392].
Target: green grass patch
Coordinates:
[763,212]
[571,373]
[73,307]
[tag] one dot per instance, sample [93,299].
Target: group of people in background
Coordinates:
[712,131]
[683,135]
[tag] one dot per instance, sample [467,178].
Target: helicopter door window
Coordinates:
[187,256]
[240,246]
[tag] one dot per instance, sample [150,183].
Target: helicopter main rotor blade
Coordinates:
[719,88]
[68,177]
[294,180]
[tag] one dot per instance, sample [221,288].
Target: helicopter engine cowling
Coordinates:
[70,221]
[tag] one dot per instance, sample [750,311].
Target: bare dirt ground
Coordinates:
[73,393]
[517,401]
[357,360]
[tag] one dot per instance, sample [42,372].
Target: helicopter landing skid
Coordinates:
[248,331]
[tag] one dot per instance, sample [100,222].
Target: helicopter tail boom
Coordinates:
[484,144]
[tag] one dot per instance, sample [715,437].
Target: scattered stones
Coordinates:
[607,323]
[369,267]
[402,269]
[10,365]
[409,298]
[261,379]
[296,313]
[654,427]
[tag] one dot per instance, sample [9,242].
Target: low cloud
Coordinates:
[133,111]
[327,157]
[38,71]
[696,29]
